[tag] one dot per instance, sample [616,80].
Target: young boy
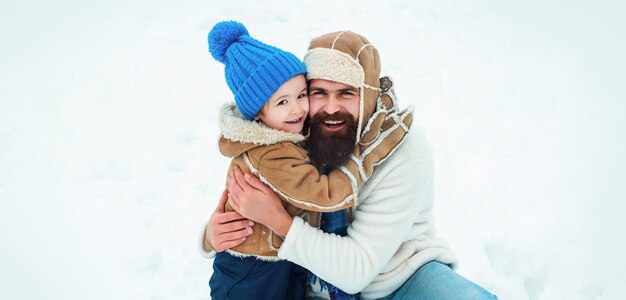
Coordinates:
[261,134]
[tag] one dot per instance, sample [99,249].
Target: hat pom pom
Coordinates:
[222,36]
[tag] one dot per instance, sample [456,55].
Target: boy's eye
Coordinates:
[281,102]
[301,96]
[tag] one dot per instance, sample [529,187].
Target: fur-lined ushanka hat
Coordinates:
[349,58]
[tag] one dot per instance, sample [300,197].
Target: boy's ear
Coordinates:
[258,115]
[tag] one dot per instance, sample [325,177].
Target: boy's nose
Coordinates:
[296,109]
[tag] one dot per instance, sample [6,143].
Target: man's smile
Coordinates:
[333,125]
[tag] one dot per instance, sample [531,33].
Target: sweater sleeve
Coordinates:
[286,171]
[381,223]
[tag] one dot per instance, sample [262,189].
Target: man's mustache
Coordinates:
[323,116]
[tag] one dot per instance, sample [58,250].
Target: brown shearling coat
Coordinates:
[280,162]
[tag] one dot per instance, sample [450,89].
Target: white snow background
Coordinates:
[108,137]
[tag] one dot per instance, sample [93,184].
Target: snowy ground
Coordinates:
[109,164]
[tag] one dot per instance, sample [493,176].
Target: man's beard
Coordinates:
[329,150]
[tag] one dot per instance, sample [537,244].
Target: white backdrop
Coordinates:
[108,137]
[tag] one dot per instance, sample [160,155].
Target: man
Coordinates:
[390,250]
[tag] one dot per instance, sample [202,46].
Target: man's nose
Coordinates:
[332,106]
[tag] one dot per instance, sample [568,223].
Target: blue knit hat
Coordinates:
[254,70]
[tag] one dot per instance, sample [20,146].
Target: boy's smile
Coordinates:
[296,121]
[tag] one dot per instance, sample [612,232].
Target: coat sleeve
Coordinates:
[286,171]
[205,248]
[381,223]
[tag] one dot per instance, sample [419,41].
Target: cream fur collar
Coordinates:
[236,128]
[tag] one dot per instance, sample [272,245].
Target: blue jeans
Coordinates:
[434,281]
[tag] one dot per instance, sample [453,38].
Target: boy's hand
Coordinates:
[256,201]
[226,229]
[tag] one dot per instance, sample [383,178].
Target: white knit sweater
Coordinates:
[392,233]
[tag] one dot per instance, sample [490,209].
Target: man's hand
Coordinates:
[256,201]
[226,229]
